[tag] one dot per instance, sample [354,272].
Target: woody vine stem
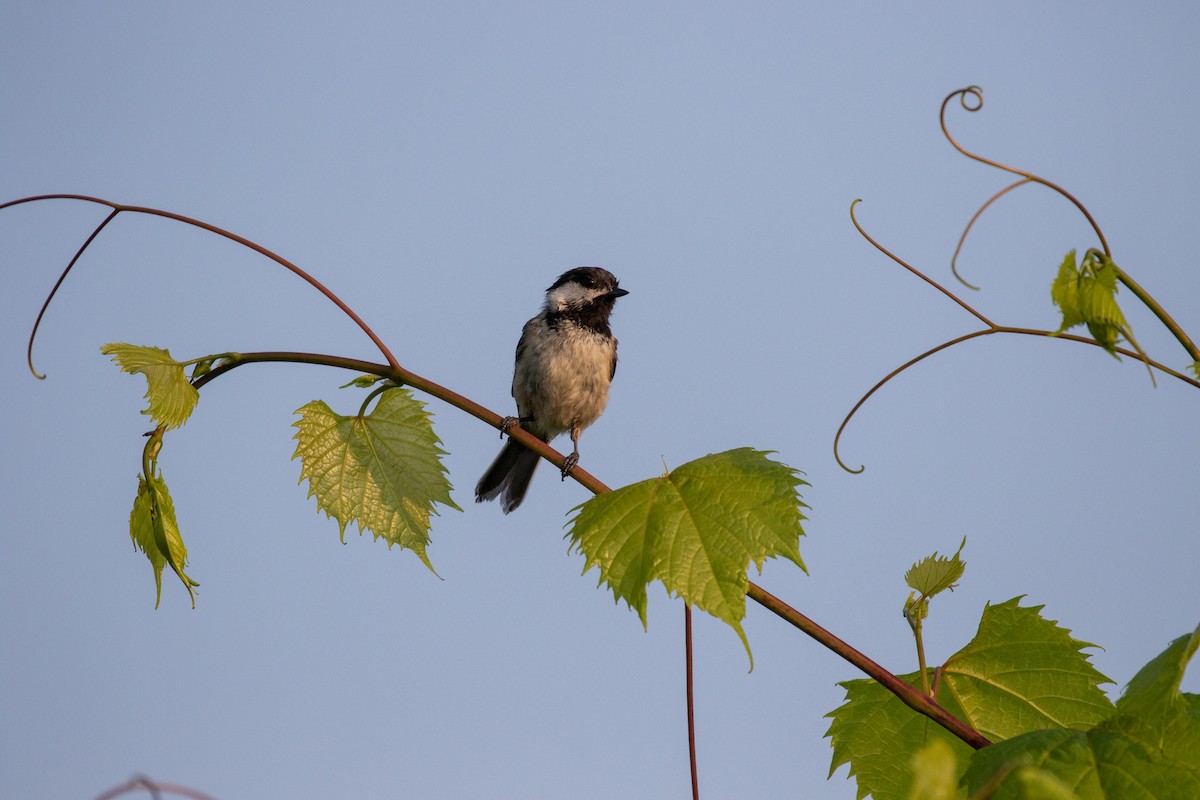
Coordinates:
[393,371]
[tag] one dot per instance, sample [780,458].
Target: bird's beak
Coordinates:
[615,293]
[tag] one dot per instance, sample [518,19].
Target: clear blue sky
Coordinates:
[438,165]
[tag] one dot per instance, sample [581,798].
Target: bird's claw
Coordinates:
[569,464]
[507,423]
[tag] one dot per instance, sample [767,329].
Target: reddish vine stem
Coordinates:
[117,208]
[155,788]
[911,697]
[62,277]
[393,371]
[975,334]
[907,694]
[691,706]
[971,224]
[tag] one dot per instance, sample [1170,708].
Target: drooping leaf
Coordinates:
[171,397]
[381,471]
[1020,673]
[696,529]
[1087,295]
[155,532]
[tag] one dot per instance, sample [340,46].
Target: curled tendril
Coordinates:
[962,239]
[971,99]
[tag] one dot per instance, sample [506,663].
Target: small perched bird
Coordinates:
[566,359]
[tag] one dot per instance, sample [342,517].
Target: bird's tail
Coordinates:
[508,476]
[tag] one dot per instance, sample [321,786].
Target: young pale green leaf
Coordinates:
[1195,368]
[1064,293]
[1087,295]
[363,382]
[935,574]
[1020,673]
[696,530]
[382,471]
[155,532]
[934,773]
[171,397]
[1042,784]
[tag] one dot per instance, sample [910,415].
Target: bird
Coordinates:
[566,359]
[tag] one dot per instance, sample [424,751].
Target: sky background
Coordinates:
[438,165]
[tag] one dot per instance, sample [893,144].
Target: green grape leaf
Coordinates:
[935,574]
[382,471]
[696,529]
[155,532]
[1020,673]
[871,715]
[1096,764]
[171,397]
[1156,713]
[1148,748]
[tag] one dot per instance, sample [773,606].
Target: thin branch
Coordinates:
[1158,311]
[117,208]
[914,270]
[393,371]
[58,283]
[911,697]
[691,706]
[967,230]
[403,376]
[837,437]
[986,332]
[754,592]
[155,788]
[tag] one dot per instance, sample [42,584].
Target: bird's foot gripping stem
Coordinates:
[507,423]
[569,464]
